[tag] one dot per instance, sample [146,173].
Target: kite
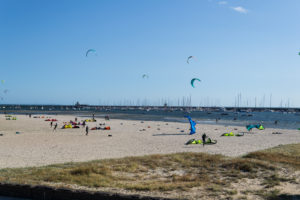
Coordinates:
[258,126]
[193,80]
[89,51]
[145,76]
[2,81]
[193,124]
[188,59]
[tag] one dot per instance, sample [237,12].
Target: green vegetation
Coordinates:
[179,172]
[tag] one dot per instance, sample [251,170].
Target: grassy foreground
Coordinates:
[181,175]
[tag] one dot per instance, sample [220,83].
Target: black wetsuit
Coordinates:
[55,126]
[86,130]
[203,138]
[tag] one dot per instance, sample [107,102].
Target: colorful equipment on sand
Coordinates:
[67,126]
[50,120]
[90,120]
[258,126]
[194,141]
[11,118]
[193,124]
[100,128]
[232,134]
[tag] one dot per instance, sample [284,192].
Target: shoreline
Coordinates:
[229,120]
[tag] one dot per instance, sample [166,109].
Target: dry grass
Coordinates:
[283,154]
[173,172]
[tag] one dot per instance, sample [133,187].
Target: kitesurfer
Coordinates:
[203,138]
[87,130]
[55,126]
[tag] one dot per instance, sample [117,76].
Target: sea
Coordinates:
[284,119]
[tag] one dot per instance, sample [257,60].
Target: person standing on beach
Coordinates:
[87,130]
[51,123]
[55,126]
[203,138]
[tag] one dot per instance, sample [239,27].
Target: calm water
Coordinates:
[285,120]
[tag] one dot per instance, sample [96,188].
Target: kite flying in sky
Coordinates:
[145,76]
[90,51]
[193,80]
[188,59]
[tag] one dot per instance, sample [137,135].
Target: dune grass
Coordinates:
[284,154]
[172,172]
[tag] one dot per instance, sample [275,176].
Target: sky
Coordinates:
[246,52]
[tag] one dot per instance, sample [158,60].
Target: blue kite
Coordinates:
[193,124]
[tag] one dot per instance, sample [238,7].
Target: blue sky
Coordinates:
[241,46]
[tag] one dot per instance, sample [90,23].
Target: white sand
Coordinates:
[38,145]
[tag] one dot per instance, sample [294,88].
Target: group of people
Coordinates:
[55,126]
[86,127]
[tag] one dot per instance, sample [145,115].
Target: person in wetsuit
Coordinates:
[203,138]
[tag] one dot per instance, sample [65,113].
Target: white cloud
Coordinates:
[222,2]
[240,9]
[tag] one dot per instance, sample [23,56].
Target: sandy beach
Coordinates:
[37,144]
